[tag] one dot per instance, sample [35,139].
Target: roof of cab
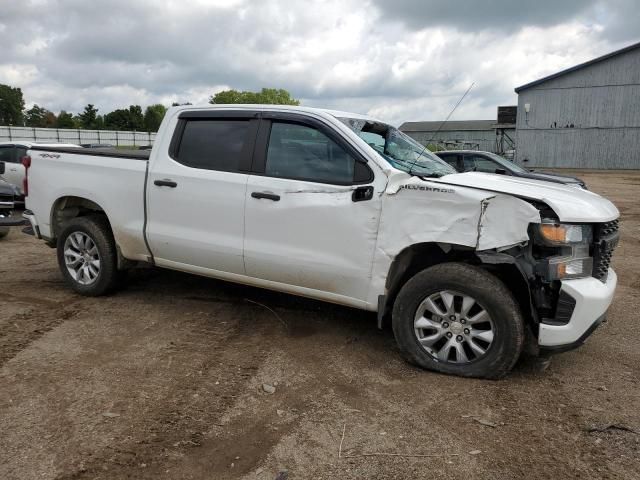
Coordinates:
[292,108]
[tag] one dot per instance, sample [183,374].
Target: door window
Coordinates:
[450,159]
[300,152]
[7,154]
[481,164]
[213,144]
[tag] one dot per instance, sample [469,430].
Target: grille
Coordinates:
[606,238]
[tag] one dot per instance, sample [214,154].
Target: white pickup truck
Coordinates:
[471,268]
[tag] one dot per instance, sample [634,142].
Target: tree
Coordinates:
[125,118]
[270,96]
[39,117]
[136,118]
[66,120]
[153,116]
[117,120]
[89,118]
[11,105]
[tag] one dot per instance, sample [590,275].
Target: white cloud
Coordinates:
[409,60]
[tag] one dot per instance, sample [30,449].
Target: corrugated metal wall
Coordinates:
[589,118]
[63,135]
[485,138]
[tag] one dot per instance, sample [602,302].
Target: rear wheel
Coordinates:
[4,231]
[87,255]
[458,319]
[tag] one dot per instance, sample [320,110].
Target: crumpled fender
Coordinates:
[418,211]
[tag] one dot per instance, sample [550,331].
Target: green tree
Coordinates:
[89,118]
[11,105]
[153,116]
[117,120]
[40,117]
[272,96]
[136,118]
[66,120]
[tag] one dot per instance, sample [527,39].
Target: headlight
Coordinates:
[564,234]
[571,242]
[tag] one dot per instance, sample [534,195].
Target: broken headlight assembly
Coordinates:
[563,250]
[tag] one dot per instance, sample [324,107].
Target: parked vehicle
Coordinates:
[470,268]
[11,153]
[7,196]
[476,161]
[97,145]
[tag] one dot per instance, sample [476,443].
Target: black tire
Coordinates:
[97,228]
[486,289]
[4,231]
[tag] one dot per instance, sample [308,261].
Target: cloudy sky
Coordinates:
[396,59]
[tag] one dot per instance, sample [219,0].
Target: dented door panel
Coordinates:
[314,236]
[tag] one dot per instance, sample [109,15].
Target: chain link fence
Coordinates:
[64,135]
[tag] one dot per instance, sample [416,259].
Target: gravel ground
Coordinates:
[167,379]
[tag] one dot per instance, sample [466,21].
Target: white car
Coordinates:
[469,267]
[11,154]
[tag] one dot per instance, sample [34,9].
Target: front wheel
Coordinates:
[87,255]
[458,319]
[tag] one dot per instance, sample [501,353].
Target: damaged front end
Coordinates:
[541,259]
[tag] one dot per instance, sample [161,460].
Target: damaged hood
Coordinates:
[571,204]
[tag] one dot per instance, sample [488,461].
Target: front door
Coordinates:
[196,193]
[312,210]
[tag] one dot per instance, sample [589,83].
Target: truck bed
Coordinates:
[112,178]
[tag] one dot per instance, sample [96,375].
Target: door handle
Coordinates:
[165,183]
[267,195]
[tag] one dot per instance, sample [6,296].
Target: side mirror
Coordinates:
[501,171]
[2,168]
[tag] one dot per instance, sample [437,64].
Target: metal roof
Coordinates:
[578,67]
[455,125]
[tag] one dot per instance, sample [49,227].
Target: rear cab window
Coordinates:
[222,144]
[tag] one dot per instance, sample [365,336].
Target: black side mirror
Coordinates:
[1,168]
[501,171]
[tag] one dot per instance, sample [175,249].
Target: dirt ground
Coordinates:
[165,380]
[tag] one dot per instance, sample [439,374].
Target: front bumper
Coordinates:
[592,299]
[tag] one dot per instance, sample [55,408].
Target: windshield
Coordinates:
[399,150]
[505,163]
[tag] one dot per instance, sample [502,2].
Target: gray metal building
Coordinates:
[587,116]
[467,134]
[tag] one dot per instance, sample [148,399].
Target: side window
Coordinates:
[7,154]
[20,152]
[301,152]
[469,163]
[213,144]
[484,164]
[450,159]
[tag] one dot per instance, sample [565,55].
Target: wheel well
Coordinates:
[417,257]
[66,208]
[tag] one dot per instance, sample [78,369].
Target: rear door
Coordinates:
[196,192]
[312,210]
